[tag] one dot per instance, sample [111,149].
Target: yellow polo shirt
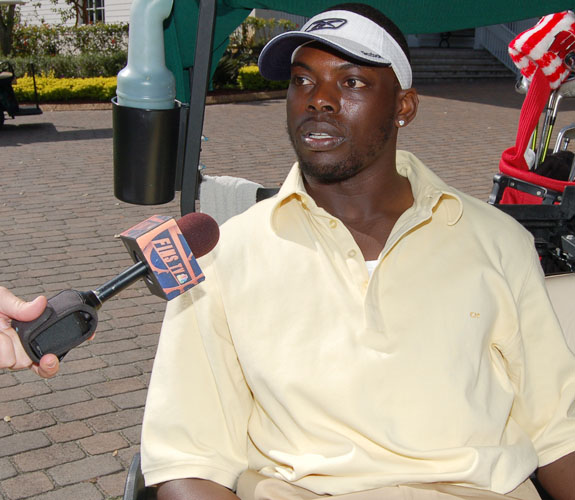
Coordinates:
[446,365]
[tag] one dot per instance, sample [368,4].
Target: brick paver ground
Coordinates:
[72,437]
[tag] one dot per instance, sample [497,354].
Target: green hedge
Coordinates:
[70,51]
[65,89]
[249,78]
[69,66]
[51,88]
[99,38]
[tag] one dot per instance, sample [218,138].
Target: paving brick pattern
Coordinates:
[74,436]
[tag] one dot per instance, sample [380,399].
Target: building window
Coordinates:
[94,11]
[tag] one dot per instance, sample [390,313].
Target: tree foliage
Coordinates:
[68,10]
[246,43]
[75,10]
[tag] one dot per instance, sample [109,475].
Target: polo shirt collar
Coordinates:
[429,191]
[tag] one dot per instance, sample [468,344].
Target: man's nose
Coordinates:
[324,98]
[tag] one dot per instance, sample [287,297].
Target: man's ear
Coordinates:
[407,102]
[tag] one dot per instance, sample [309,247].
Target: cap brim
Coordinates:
[275,59]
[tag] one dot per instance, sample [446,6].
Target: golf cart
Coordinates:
[8,102]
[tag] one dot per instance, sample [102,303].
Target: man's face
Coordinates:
[340,115]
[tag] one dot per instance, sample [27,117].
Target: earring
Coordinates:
[401,123]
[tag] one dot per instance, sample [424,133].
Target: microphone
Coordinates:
[164,251]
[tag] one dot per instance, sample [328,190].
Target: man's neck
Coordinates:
[369,204]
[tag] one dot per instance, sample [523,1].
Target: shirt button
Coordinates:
[332,223]
[351,253]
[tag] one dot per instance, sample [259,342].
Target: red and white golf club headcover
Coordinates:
[546,46]
[539,53]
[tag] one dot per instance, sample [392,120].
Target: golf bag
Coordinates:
[534,186]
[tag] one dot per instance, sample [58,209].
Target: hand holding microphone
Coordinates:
[12,354]
[165,253]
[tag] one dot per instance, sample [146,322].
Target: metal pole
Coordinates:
[97,297]
[35,87]
[199,80]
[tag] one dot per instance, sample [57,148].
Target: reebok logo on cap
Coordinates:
[326,24]
[371,54]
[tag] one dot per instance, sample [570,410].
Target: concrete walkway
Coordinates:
[72,437]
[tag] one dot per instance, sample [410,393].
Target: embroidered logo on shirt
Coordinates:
[474,315]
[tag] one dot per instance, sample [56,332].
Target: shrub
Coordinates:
[226,73]
[70,51]
[51,88]
[69,66]
[249,78]
[255,32]
[99,38]
[246,43]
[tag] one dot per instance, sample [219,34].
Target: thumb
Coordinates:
[48,366]
[16,308]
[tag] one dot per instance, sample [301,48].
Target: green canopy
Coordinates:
[412,16]
[212,21]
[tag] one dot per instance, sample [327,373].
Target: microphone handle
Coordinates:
[70,317]
[96,298]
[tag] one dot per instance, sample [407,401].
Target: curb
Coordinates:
[245,96]
[210,99]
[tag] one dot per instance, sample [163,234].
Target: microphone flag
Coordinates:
[160,244]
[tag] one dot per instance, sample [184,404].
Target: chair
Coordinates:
[135,489]
[223,196]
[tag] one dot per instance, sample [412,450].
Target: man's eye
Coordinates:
[354,83]
[301,80]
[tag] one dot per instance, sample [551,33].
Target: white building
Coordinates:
[108,11]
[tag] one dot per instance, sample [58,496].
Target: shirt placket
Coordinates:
[351,255]
[375,332]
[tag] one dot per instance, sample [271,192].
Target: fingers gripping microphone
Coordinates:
[164,251]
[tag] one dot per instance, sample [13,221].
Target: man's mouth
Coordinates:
[321,141]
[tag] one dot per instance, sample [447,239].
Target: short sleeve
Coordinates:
[542,370]
[198,404]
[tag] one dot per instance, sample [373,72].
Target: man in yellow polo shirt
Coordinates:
[370,332]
